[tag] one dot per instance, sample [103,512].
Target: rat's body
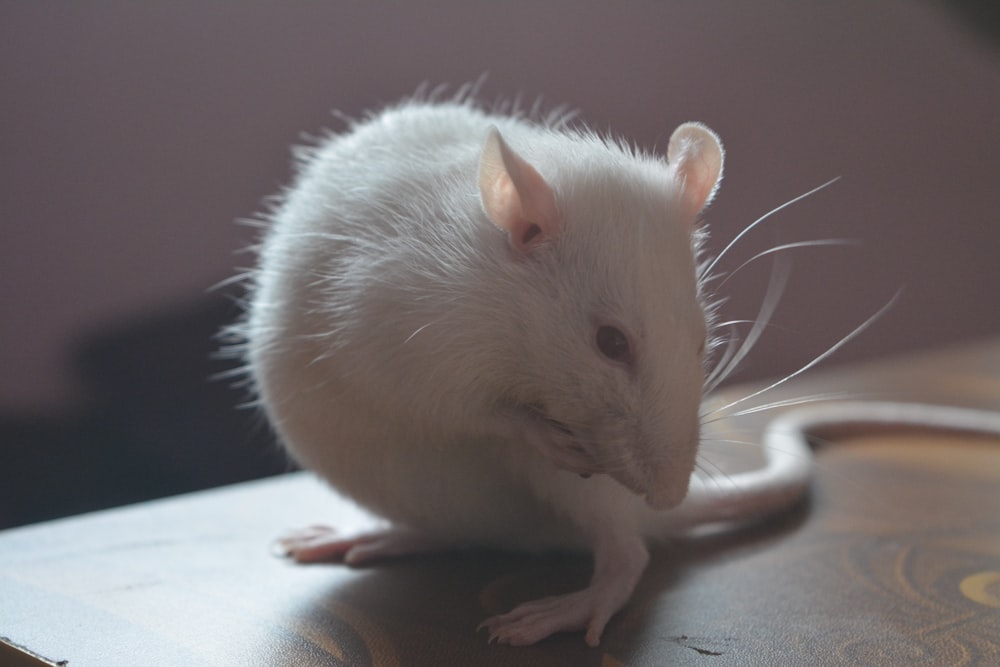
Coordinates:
[491,332]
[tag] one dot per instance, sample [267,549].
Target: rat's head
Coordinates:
[611,354]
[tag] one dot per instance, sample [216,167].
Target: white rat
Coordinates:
[491,332]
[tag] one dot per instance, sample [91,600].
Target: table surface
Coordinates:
[894,559]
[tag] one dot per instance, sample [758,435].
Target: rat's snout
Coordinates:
[660,450]
[668,478]
[663,483]
[664,495]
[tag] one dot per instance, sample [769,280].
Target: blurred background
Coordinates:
[133,136]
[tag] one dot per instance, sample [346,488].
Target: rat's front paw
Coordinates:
[565,448]
[533,621]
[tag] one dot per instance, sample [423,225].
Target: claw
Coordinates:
[619,562]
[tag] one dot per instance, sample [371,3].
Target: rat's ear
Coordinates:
[515,196]
[695,154]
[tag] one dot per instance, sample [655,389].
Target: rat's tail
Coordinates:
[784,479]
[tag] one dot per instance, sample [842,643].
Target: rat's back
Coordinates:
[381,234]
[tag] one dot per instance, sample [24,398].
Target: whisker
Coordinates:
[711,265]
[802,400]
[419,329]
[791,402]
[822,357]
[787,246]
[731,343]
[775,288]
[714,477]
[732,323]
[759,447]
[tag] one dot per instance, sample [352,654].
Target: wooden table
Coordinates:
[894,560]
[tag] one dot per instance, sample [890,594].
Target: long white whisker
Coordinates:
[775,288]
[822,357]
[727,354]
[711,266]
[715,416]
[716,477]
[419,329]
[733,323]
[786,246]
[802,400]
[730,323]
[757,446]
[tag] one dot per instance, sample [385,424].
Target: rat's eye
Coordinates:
[613,344]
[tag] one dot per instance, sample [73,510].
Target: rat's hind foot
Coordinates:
[323,543]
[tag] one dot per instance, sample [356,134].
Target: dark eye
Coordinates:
[613,344]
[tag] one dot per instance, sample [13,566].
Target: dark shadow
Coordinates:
[154,422]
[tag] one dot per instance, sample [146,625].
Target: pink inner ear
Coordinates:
[515,196]
[699,182]
[531,232]
[696,156]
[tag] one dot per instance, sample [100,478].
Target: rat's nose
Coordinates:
[664,493]
[668,479]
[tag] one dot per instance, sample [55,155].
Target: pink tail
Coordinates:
[785,477]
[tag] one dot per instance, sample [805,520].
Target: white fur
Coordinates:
[390,324]
[422,333]
[410,346]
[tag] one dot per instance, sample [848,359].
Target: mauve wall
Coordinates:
[134,134]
